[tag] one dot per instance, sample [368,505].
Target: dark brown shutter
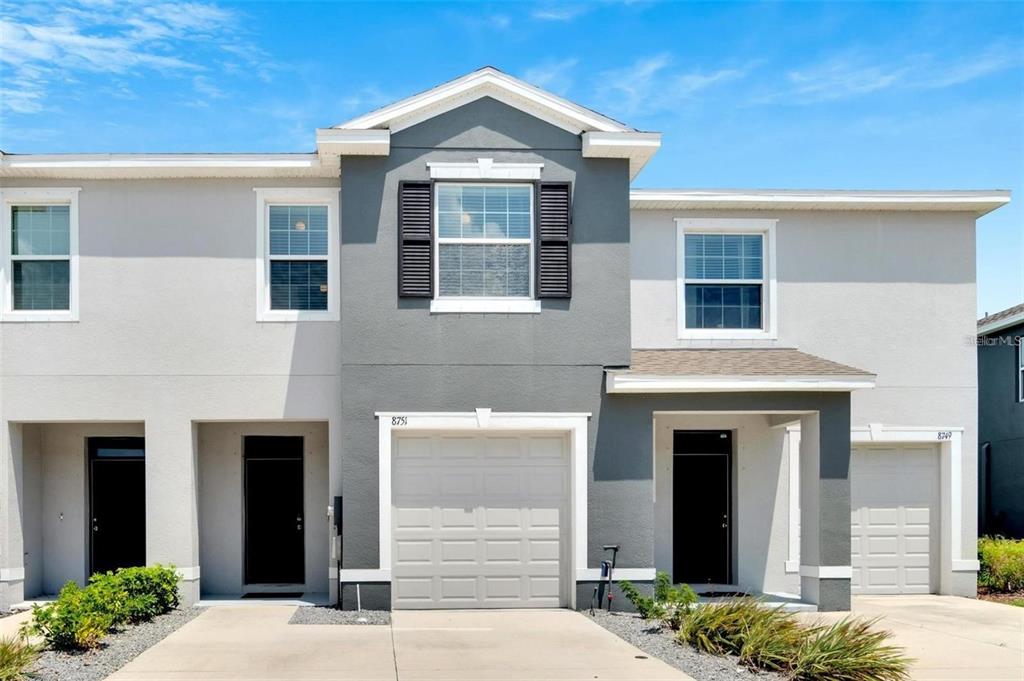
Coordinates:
[415,261]
[554,240]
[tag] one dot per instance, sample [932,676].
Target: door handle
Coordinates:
[95,527]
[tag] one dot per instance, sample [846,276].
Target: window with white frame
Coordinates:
[726,278]
[298,234]
[40,254]
[484,240]
[1020,368]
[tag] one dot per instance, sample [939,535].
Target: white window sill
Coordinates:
[39,316]
[488,305]
[297,316]
[726,334]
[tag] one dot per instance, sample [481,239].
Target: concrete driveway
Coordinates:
[950,637]
[257,643]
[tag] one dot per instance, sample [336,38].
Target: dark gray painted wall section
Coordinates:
[1001,423]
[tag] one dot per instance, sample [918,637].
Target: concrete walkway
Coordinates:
[950,637]
[256,643]
[10,626]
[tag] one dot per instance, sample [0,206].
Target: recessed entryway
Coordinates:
[702,518]
[274,513]
[117,503]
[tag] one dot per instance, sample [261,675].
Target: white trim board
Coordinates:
[484,169]
[625,381]
[484,420]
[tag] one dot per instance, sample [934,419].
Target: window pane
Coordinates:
[42,284]
[298,285]
[41,230]
[497,271]
[483,212]
[724,256]
[723,307]
[298,230]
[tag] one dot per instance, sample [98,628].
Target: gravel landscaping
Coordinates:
[329,614]
[117,650]
[649,637]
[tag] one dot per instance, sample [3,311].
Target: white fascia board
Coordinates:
[979,202]
[1000,324]
[638,147]
[338,142]
[484,169]
[132,166]
[626,382]
[433,102]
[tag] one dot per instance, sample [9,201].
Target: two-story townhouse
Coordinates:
[446,358]
[1001,423]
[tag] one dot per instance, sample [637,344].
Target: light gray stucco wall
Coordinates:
[1001,423]
[221,494]
[397,356]
[167,337]
[889,292]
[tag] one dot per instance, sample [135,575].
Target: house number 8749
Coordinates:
[399,420]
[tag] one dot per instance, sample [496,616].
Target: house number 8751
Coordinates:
[399,420]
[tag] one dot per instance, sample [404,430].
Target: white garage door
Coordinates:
[894,494]
[479,522]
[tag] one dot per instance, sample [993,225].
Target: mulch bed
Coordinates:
[1015,598]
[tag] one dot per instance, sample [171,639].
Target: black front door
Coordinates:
[117,503]
[701,534]
[274,521]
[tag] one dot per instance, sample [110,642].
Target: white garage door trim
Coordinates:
[951,496]
[484,421]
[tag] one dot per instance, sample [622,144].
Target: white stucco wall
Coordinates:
[167,337]
[221,523]
[889,292]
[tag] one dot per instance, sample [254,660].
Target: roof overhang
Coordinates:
[625,381]
[142,166]
[978,202]
[1000,324]
[638,147]
[339,142]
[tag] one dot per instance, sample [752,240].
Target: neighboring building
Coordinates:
[457,317]
[1001,423]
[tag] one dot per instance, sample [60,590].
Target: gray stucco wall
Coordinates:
[398,356]
[1001,423]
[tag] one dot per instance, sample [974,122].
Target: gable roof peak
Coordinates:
[487,81]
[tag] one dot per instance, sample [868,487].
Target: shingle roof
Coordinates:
[737,362]
[1000,316]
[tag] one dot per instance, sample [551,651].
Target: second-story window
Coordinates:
[726,278]
[298,241]
[39,264]
[484,240]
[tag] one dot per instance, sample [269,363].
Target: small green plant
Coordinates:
[17,656]
[80,618]
[645,606]
[849,650]
[72,621]
[1002,564]
[719,628]
[771,640]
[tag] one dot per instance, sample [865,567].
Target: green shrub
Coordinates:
[719,628]
[645,606]
[71,621]
[1002,564]
[16,659]
[849,650]
[771,640]
[80,618]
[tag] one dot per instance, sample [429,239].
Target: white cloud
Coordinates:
[558,12]
[553,75]
[44,49]
[853,74]
[651,84]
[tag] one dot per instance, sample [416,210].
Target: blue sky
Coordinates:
[801,95]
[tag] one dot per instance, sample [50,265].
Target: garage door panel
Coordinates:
[893,521]
[485,526]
